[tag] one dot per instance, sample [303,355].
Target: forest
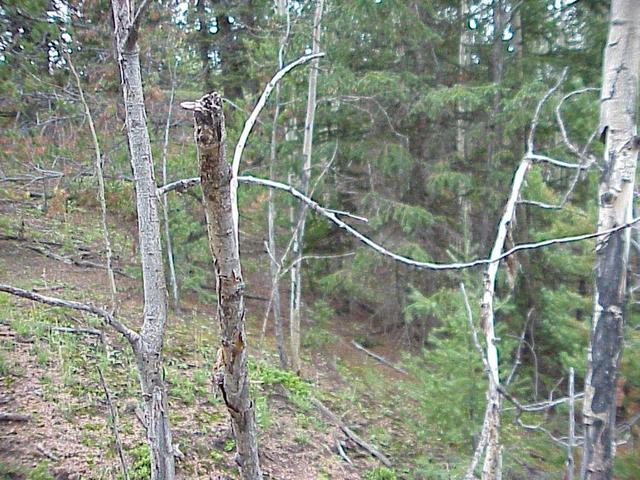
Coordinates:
[319,239]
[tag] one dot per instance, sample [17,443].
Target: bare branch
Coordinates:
[563,130]
[248,126]
[173,279]
[315,206]
[517,360]
[342,213]
[88,331]
[129,334]
[178,185]
[284,271]
[380,358]
[585,160]
[132,34]
[474,330]
[333,418]
[477,455]
[552,161]
[540,428]
[536,407]
[536,115]
[487,312]
[14,417]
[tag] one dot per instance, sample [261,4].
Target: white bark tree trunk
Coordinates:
[148,350]
[615,195]
[232,377]
[282,10]
[490,436]
[299,224]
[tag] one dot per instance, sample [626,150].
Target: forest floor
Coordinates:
[53,377]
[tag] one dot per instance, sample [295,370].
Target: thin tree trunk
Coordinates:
[271,213]
[273,265]
[281,7]
[232,375]
[101,195]
[107,244]
[492,467]
[204,44]
[173,279]
[307,145]
[461,130]
[572,425]
[148,351]
[615,194]
[295,292]
[495,140]
[463,64]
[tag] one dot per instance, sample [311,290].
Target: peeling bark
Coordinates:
[231,376]
[618,130]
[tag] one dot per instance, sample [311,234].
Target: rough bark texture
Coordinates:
[299,227]
[232,376]
[148,350]
[618,131]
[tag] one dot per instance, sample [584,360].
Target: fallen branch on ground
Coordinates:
[88,331]
[132,336]
[14,417]
[333,418]
[73,261]
[340,450]
[46,453]
[379,358]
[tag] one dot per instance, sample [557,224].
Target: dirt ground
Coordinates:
[69,428]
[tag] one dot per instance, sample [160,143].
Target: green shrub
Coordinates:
[380,473]
[40,472]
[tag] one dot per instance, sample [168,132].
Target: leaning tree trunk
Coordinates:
[492,467]
[299,227]
[231,375]
[148,351]
[615,194]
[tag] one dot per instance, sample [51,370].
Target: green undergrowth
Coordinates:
[41,471]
